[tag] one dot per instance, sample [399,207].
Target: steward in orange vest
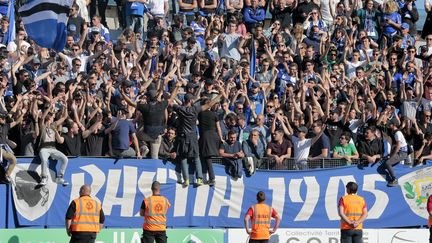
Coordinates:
[260,216]
[84,217]
[429,209]
[353,211]
[154,210]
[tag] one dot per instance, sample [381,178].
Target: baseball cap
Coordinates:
[405,26]
[302,129]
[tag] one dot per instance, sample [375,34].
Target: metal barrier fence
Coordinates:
[290,164]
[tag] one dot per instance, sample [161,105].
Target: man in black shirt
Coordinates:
[75,23]
[72,141]
[186,146]
[94,136]
[321,148]
[335,128]
[370,148]
[153,113]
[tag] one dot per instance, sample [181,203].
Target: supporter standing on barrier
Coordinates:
[353,211]
[154,210]
[187,141]
[84,217]
[260,216]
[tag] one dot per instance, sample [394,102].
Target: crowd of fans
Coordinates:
[242,80]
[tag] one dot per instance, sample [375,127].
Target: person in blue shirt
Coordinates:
[4,7]
[135,16]
[253,15]
[120,133]
[407,38]
[392,21]
[4,31]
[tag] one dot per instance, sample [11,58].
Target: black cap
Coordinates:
[302,129]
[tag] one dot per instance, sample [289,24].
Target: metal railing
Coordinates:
[290,164]
[267,163]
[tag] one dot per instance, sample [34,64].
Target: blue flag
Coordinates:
[252,67]
[45,22]
[11,16]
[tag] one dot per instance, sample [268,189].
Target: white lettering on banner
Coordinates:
[161,175]
[144,186]
[312,196]
[381,198]
[277,185]
[294,190]
[201,199]
[77,180]
[331,196]
[181,195]
[97,180]
[236,197]
[129,190]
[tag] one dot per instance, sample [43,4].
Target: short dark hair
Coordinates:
[347,135]
[231,132]
[371,128]
[155,186]
[352,187]
[260,196]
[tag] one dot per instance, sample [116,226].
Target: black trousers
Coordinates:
[258,241]
[83,237]
[152,236]
[351,236]
[430,235]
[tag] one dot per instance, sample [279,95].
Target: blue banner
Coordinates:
[304,199]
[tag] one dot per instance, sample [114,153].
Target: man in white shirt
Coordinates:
[229,43]
[158,9]
[302,145]
[398,153]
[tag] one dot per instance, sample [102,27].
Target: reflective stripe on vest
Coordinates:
[155,215]
[85,220]
[256,221]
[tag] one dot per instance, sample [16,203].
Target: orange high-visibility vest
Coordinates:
[155,213]
[261,221]
[86,217]
[353,209]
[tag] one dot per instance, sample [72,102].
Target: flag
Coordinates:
[45,22]
[11,16]
[252,62]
